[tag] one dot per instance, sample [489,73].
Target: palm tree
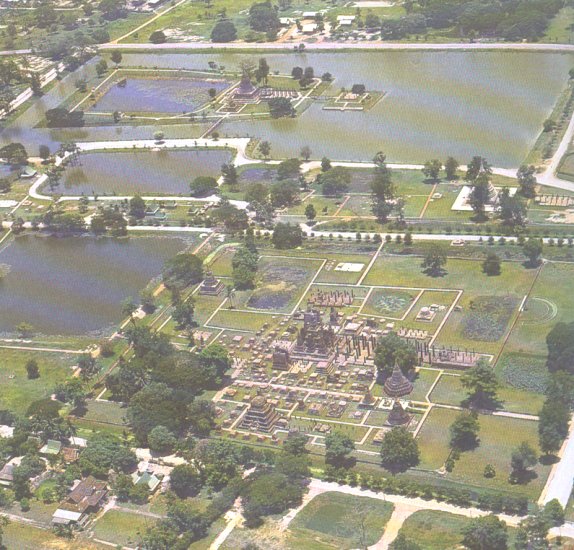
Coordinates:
[230,295]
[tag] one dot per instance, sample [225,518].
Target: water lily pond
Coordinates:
[76,285]
[161,95]
[163,172]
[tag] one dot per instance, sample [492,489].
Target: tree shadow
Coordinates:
[523,477]
[548,459]
[435,273]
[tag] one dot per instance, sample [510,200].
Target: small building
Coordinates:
[51,448]
[146,478]
[28,172]
[86,497]
[7,472]
[309,28]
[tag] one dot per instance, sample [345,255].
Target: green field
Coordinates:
[17,390]
[332,519]
[123,528]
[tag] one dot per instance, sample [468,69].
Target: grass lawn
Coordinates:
[123,528]
[26,537]
[438,530]
[498,437]
[449,391]
[550,302]
[332,518]
[17,391]
[240,320]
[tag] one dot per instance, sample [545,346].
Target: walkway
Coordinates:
[374,46]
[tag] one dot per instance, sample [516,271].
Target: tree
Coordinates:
[289,169]
[265,149]
[202,415]
[245,265]
[335,182]
[434,261]
[522,459]
[481,384]
[116,57]
[392,350]
[88,366]
[137,207]
[492,264]
[262,71]
[476,167]
[44,152]
[185,480]
[532,533]
[560,344]
[451,166]
[480,195]
[297,73]
[154,405]
[554,418]
[382,189]
[305,153]
[464,432]
[105,452]
[36,85]
[284,193]
[325,164]
[554,512]
[402,543]
[101,67]
[129,307]
[160,439]
[203,186]
[485,533]
[183,270]
[229,173]
[157,37]
[338,448]
[287,236]
[399,450]
[527,181]
[269,494]
[512,209]
[432,168]
[62,118]
[215,361]
[310,212]
[281,107]
[32,369]
[224,31]
[533,250]
[263,17]
[14,154]
[296,444]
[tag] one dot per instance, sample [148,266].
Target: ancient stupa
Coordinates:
[398,385]
[398,415]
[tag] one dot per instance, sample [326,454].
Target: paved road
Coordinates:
[560,482]
[375,46]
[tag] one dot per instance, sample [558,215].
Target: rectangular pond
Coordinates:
[162,172]
[158,95]
[437,104]
[76,285]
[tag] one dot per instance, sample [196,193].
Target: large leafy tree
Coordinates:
[481,384]
[393,350]
[183,270]
[486,533]
[399,450]
[383,190]
[338,449]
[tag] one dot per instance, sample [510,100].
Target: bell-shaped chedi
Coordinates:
[398,385]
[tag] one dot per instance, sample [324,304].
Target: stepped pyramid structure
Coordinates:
[398,385]
[261,416]
[210,285]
